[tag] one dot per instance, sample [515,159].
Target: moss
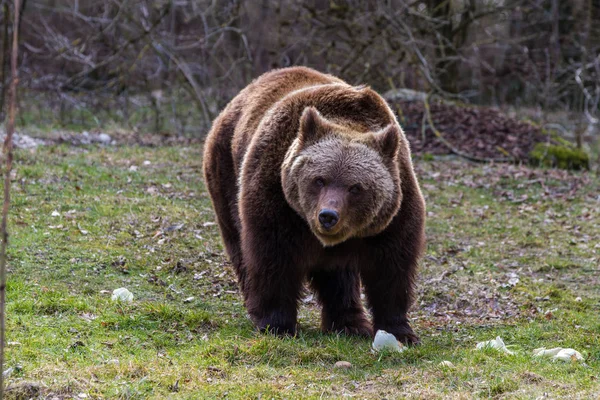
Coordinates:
[551,155]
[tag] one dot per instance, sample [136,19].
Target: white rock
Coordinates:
[384,340]
[23,141]
[497,344]
[122,294]
[104,138]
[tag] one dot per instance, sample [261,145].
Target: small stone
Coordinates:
[104,138]
[189,299]
[343,365]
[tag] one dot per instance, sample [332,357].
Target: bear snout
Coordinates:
[328,218]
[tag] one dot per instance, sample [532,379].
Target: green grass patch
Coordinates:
[511,252]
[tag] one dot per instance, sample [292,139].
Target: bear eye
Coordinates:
[355,189]
[319,182]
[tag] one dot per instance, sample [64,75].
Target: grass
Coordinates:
[87,220]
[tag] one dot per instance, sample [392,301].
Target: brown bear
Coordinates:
[312,178]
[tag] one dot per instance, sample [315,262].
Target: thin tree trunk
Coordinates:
[6,10]
[7,150]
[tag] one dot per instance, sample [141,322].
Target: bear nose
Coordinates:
[328,218]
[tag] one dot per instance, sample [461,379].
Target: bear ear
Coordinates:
[310,126]
[387,140]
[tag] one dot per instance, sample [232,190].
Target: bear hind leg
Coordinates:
[338,291]
[218,171]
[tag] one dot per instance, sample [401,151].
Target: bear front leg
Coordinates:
[274,276]
[389,271]
[389,289]
[338,290]
[272,296]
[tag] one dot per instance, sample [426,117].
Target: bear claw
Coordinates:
[409,339]
[359,326]
[403,334]
[276,326]
[277,330]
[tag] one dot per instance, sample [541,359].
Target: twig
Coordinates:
[108,60]
[449,145]
[7,150]
[187,74]
[5,41]
[423,129]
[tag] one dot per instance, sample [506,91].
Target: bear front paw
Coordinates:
[403,334]
[276,323]
[408,338]
[364,330]
[356,325]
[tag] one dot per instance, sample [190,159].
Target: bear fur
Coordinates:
[312,179]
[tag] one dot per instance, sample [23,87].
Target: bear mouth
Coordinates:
[335,231]
[332,237]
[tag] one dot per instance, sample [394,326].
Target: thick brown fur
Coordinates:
[294,143]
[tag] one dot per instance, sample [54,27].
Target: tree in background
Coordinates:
[157,55]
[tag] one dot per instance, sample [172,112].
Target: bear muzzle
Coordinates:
[329,227]
[328,218]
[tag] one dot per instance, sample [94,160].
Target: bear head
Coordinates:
[342,182]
